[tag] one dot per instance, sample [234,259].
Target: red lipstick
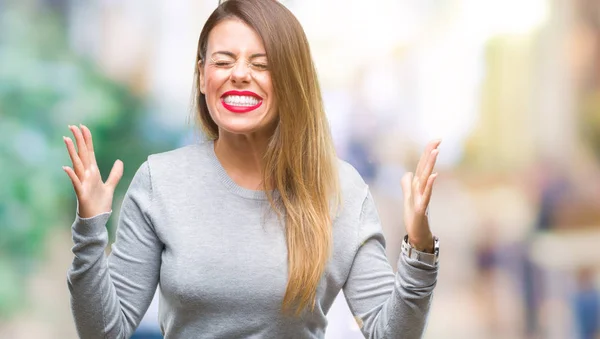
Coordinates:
[241,108]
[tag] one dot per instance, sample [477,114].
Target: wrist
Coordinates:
[425,244]
[412,252]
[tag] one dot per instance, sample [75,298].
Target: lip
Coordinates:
[241,109]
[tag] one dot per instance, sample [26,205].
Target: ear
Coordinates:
[202,82]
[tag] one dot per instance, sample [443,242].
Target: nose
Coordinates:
[240,72]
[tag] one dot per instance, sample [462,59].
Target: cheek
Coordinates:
[264,81]
[213,79]
[209,84]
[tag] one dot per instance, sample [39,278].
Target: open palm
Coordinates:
[93,196]
[417,189]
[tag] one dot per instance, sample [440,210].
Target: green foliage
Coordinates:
[44,87]
[590,122]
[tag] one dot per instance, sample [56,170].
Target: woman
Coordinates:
[254,232]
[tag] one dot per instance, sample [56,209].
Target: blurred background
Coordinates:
[512,87]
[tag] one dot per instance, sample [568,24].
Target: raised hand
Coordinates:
[94,196]
[417,192]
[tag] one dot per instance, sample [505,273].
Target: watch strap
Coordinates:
[424,257]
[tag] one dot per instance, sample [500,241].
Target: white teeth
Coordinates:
[241,100]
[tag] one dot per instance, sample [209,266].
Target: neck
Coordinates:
[242,158]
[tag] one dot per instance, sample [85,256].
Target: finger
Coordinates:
[428,169]
[423,160]
[74,179]
[81,147]
[115,174]
[428,190]
[77,165]
[87,137]
[406,184]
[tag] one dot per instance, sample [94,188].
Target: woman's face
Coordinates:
[236,81]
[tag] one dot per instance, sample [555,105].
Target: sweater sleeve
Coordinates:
[109,296]
[387,305]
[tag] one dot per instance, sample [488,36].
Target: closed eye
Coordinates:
[260,66]
[223,63]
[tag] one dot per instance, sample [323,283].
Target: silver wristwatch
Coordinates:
[427,258]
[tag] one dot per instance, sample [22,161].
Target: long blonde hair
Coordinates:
[300,162]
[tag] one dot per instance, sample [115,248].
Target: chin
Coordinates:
[240,130]
[242,127]
[245,124]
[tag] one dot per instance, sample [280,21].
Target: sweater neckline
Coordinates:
[226,180]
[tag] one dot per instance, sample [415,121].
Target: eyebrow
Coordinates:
[229,54]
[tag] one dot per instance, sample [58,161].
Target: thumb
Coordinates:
[115,174]
[407,183]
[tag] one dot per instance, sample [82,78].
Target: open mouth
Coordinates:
[241,101]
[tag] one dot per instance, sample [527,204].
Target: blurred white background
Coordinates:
[512,88]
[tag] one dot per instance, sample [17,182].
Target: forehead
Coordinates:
[235,36]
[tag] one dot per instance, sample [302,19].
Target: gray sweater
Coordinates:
[220,260]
